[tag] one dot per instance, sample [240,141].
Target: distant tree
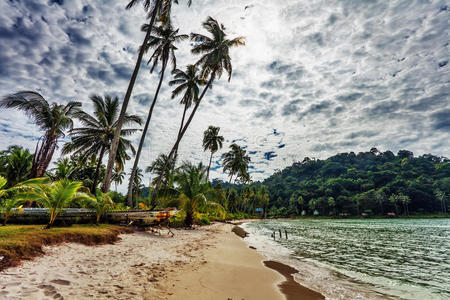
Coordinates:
[440,195]
[53,119]
[235,161]
[212,141]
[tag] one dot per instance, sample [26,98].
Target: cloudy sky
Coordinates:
[316,77]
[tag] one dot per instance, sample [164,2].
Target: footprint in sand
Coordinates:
[60,281]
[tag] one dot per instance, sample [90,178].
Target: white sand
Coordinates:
[146,266]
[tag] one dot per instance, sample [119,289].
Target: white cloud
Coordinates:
[328,76]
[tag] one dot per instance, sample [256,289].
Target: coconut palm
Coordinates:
[8,200]
[161,168]
[56,196]
[235,162]
[192,186]
[65,169]
[117,177]
[154,9]
[94,138]
[16,164]
[53,119]
[212,141]
[163,41]
[101,203]
[189,83]
[215,59]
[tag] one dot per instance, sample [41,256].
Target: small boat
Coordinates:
[144,217]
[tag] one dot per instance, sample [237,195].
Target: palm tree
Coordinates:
[117,177]
[192,186]
[158,168]
[56,196]
[212,141]
[94,138]
[154,9]
[236,162]
[7,205]
[16,164]
[188,82]
[54,119]
[164,43]
[65,169]
[101,204]
[215,59]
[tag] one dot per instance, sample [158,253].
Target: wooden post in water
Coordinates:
[285,232]
[280,233]
[273,235]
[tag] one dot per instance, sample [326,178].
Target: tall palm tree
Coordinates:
[188,82]
[154,9]
[236,162]
[95,137]
[214,60]
[53,119]
[163,41]
[212,141]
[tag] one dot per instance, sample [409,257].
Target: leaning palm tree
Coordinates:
[154,9]
[56,196]
[215,58]
[235,162]
[189,83]
[163,41]
[53,119]
[94,138]
[212,141]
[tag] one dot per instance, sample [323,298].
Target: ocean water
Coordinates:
[362,259]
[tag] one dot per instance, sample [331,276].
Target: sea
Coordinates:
[361,258]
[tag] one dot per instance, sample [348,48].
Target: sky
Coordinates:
[316,77]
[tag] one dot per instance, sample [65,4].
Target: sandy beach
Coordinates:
[206,263]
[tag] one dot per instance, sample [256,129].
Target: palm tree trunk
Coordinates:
[126,100]
[48,158]
[141,143]
[179,132]
[180,136]
[209,166]
[97,170]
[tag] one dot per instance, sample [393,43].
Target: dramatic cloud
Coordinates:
[316,77]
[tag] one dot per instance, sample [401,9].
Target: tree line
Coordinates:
[368,183]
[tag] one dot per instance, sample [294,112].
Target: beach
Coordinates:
[210,262]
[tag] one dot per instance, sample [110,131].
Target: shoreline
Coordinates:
[210,262]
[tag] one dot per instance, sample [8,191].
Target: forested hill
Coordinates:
[368,182]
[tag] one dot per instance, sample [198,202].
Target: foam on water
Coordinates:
[354,267]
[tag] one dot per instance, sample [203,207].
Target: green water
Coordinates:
[405,258]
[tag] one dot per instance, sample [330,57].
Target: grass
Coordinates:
[23,242]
